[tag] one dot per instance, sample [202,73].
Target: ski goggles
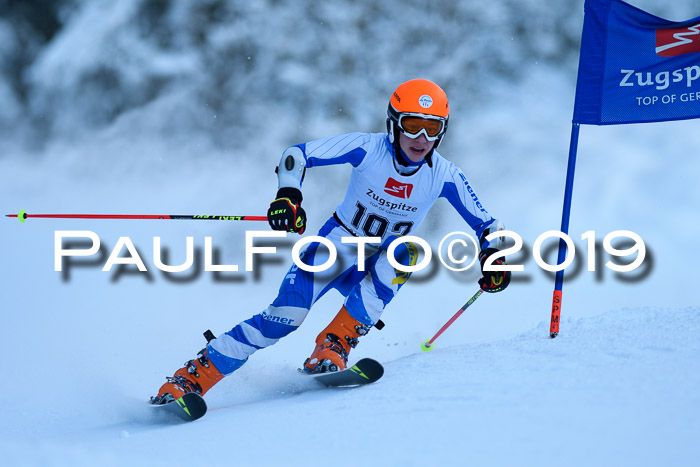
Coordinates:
[414,125]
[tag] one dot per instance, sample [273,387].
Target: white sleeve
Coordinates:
[349,148]
[291,170]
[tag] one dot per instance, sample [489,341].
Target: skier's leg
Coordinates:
[225,354]
[364,304]
[228,352]
[367,300]
[300,289]
[197,375]
[334,343]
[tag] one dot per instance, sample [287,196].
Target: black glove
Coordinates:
[493,281]
[286,213]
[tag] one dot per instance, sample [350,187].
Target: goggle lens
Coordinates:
[414,125]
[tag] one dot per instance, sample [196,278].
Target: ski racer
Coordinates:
[396,177]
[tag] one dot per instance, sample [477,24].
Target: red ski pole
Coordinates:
[428,344]
[23,216]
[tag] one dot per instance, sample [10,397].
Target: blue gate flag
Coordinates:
[635,67]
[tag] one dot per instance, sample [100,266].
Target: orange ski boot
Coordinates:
[334,343]
[198,375]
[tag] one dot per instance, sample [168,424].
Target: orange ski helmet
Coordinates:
[417,107]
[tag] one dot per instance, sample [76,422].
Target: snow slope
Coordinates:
[616,389]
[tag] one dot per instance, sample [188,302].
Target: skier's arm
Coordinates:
[285,212]
[350,149]
[460,194]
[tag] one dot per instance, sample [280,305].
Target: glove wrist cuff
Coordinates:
[294,194]
[483,254]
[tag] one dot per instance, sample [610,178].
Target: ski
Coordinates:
[363,372]
[189,407]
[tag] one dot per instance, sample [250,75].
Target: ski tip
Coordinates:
[372,368]
[188,408]
[553,334]
[426,346]
[365,371]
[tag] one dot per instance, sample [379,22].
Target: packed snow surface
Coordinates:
[615,389]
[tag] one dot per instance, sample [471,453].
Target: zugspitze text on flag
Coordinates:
[635,67]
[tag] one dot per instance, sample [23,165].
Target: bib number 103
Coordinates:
[638,247]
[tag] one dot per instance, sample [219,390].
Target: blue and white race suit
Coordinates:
[380,202]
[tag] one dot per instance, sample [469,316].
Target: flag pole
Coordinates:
[566,212]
